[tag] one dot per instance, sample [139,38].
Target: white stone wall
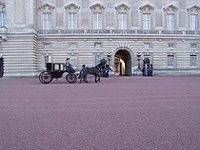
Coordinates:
[23,44]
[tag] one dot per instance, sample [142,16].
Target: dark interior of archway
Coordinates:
[122,54]
[125,56]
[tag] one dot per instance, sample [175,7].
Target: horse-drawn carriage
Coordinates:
[56,70]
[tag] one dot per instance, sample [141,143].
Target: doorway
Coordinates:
[122,63]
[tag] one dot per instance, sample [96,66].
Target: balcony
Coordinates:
[120,32]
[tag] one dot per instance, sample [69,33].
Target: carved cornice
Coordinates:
[171,8]
[146,7]
[194,9]
[46,6]
[122,7]
[72,6]
[97,6]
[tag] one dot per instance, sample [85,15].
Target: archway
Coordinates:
[122,64]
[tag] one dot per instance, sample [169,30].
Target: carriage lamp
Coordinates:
[109,58]
[138,58]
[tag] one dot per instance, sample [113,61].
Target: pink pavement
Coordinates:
[119,113]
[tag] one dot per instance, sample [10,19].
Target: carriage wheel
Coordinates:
[46,77]
[71,78]
[40,77]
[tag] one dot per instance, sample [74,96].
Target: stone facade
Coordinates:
[167,32]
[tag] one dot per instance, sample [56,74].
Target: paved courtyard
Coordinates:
[119,113]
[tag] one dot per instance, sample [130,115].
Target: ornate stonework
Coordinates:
[146,7]
[122,7]
[97,6]
[46,6]
[171,8]
[194,9]
[72,6]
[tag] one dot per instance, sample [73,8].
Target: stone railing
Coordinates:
[113,32]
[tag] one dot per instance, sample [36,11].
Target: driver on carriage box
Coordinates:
[67,63]
[68,66]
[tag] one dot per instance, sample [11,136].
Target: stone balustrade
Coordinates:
[127,32]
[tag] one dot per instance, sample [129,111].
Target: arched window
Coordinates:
[71,16]
[47,13]
[147,21]
[122,16]
[97,16]
[170,17]
[193,18]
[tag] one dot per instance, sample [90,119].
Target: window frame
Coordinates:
[171,10]
[195,26]
[122,20]
[2,19]
[47,22]
[171,64]
[170,22]
[193,11]
[72,20]
[193,62]
[97,20]
[147,22]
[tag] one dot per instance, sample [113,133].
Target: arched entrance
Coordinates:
[122,64]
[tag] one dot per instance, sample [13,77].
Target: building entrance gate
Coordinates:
[122,63]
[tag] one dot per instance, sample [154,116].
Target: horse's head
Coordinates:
[103,61]
[102,64]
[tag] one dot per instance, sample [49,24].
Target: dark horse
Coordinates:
[93,71]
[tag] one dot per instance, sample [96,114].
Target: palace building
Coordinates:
[125,32]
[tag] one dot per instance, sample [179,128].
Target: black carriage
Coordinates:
[56,70]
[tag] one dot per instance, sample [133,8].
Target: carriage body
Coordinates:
[56,70]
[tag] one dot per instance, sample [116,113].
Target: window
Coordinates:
[74,60]
[2,19]
[170,61]
[72,20]
[149,56]
[147,45]
[47,45]
[97,20]
[170,22]
[171,45]
[47,22]
[122,20]
[97,44]
[193,22]
[97,57]
[193,60]
[73,45]
[146,21]
[46,59]
[193,45]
